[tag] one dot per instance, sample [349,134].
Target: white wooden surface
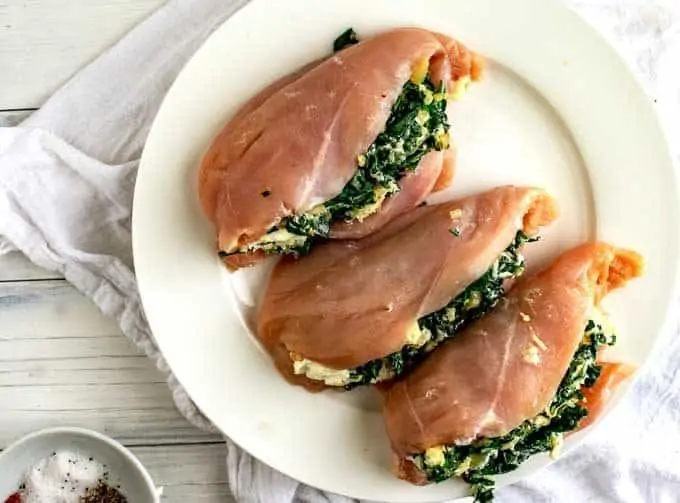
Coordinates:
[61,361]
[43,42]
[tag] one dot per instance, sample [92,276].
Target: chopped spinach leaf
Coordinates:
[482,488]
[478,298]
[275,242]
[346,39]
[475,301]
[311,224]
[477,462]
[417,125]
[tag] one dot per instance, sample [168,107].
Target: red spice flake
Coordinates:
[14,498]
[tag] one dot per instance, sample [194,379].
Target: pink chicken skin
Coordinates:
[295,145]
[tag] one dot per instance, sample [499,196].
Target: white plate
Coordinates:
[124,468]
[558,109]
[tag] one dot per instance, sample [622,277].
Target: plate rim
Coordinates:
[671,316]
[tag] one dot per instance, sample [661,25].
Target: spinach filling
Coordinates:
[345,39]
[485,457]
[417,125]
[473,303]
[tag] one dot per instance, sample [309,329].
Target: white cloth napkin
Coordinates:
[66,181]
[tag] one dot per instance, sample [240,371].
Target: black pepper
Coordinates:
[103,493]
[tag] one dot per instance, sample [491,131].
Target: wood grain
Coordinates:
[188,473]
[64,363]
[14,266]
[44,42]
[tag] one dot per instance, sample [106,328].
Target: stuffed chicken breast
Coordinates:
[338,148]
[365,311]
[514,382]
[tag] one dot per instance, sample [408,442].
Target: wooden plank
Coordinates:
[64,363]
[195,473]
[103,370]
[14,266]
[49,310]
[37,56]
[132,426]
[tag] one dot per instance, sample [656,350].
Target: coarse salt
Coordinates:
[63,477]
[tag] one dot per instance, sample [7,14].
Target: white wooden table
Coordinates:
[61,361]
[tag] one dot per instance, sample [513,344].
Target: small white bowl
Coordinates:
[124,468]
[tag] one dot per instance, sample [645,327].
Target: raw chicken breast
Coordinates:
[351,302]
[506,367]
[295,145]
[596,398]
